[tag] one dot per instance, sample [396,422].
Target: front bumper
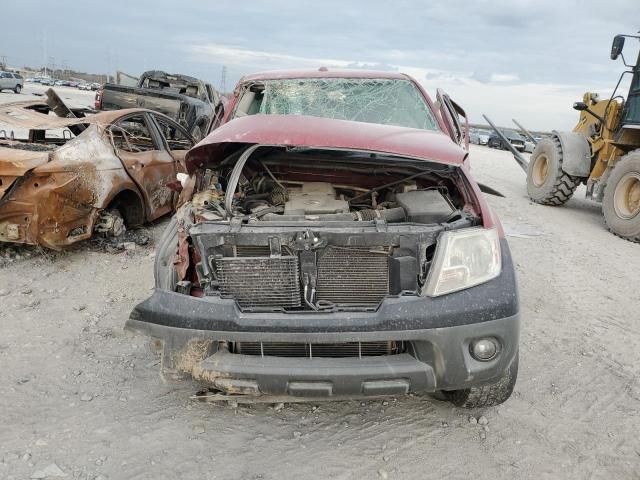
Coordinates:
[193,335]
[438,359]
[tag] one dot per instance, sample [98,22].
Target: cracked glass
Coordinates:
[382,101]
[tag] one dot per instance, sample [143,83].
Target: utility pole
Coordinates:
[44,50]
[52,67]
[223,79]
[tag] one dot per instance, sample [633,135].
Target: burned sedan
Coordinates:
[64,177]
[316,257]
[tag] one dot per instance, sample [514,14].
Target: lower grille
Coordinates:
[353,275]
[319,350]
[260,281]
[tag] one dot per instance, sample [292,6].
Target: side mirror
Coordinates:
[580,106]
[617,46]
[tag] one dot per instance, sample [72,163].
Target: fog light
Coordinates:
[485,349]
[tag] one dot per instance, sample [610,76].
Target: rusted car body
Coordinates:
[318,256]
[71,175]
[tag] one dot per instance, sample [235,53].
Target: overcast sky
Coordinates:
[525,59]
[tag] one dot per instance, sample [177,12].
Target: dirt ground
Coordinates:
[82,398]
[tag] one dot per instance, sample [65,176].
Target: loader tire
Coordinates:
[621,201]
[547,183]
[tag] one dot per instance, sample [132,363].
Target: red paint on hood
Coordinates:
[317,132]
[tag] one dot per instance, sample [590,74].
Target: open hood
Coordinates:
[317,132]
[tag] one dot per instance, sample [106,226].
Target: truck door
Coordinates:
[454,118]
[140,148]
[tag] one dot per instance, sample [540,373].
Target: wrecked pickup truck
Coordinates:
[194,104]
[62,178]
[320,257]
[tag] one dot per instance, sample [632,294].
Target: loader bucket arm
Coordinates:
[525,132]
[516,154]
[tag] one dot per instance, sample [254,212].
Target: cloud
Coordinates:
[234,55]
[503,77]
[530,58]
[501,96]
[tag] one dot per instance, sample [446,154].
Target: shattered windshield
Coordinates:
[370,100]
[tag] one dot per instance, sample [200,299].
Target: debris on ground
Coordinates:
[51,470]
[128,241]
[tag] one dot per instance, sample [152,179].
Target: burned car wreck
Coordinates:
[66,175]
[315,257]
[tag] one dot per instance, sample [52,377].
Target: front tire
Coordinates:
[18,89]
[547,183]
[164,271]
[488,395]
[621,201]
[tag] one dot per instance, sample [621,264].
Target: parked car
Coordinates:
[75,175]
[194,104]
[479,137]
[529,146]
[514,138]
[11,81]
[328,245]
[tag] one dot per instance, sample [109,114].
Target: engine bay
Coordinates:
[277,187]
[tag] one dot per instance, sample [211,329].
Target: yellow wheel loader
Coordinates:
[602,151]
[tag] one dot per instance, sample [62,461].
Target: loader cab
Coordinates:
[631,111]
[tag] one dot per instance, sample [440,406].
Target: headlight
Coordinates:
[463,258]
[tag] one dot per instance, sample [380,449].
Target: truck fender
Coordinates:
[576,154]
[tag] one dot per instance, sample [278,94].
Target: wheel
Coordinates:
[621,201]
[110,223]
[547,183]
[487,395]
[164,270]
[18,89]
[196,133]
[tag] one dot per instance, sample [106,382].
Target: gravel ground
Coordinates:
[83,399]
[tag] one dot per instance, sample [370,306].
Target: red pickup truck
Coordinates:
[331,242]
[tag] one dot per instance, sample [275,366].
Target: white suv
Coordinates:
[11,81]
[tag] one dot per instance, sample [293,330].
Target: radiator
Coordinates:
[353,275]
[260,281]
